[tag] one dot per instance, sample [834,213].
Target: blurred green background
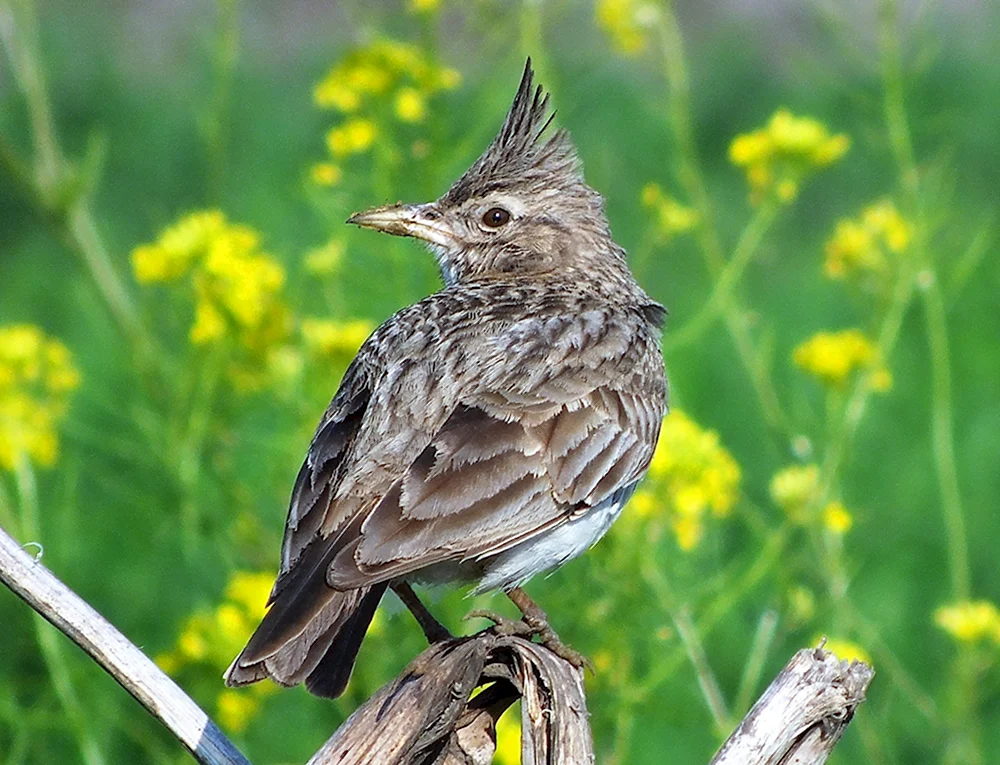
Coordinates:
[165,484]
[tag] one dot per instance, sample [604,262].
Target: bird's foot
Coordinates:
[533,624]
[502,625]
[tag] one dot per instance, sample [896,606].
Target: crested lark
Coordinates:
[490,432]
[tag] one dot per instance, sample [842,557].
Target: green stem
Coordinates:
[944,447]
[857,400]
[762,641]
[769,556]
[933,302]
[691,641]
[225,53]
[963,745]
[47,635]
[19,40]
[52,179]
[192,447]
[720,301]
[692,179]
[699,660]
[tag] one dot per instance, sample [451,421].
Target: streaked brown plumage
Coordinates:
[487,433]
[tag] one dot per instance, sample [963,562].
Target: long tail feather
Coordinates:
[329,678]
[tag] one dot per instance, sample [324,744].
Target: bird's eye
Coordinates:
[496,217]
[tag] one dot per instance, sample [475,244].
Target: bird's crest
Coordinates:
[518,155]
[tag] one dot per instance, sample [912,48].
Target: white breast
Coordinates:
[552,548]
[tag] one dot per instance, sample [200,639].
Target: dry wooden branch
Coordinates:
[431,713]
[121,659]
[801,715]
[426,714]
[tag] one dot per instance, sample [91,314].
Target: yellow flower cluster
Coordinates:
[386,75]
[691,473]
[210,639]
[36,377]
[337,340]
[970,621]
[627,23]
[833,357]
[779,156]
[671,216]
[868,244]
[237,288]
[325,260]
[795,489]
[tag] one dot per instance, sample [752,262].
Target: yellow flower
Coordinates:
[627,23]
[779,156]
[353,137]
[787,190]
[335,338]
[250,591]
[868,245]
[970,621]
[880,380]
[836,518]
[448,78]
[423,6]
[689,531]
[671,216]
[794,488]
[751,149]
[37,375]
[236,709]
[642,504]
[212,636]
[325,174]
[508,750]
[795,135]
[235,288]
[168,662]
[410,105]
[209,325]
[832,357]
[691,474]
[333,93]
[325,260]
[172,256]
[369,80]
[284,365]
[603,661]
[801,605]
[845,650]
[191,645]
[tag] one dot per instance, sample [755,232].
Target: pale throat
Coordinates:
[447,259]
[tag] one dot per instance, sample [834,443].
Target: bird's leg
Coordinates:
[434,631]
[534,622]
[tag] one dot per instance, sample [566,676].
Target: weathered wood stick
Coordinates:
[801,715]
[121,659]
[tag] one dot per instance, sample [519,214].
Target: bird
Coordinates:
[488,433]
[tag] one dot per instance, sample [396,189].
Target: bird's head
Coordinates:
[522,208]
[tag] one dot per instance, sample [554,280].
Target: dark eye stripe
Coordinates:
[496,217]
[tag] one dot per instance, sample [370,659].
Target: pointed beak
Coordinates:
[419,221]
